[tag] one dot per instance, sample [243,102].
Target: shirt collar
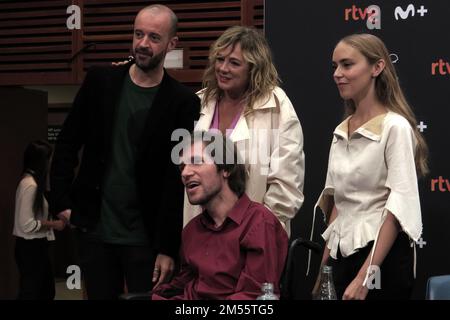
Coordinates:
[236,214]
[262,103]
[265,102]
[372,129]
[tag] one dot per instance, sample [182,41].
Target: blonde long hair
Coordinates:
[263,76]
[388,90]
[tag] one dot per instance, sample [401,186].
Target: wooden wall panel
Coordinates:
[37,48]
[35,45]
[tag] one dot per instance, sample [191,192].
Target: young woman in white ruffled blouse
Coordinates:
[371,199]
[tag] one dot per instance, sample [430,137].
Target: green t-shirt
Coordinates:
[121,218]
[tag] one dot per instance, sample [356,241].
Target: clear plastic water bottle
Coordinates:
[267,292]
[326,287]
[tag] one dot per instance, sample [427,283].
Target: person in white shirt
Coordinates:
[371,199]
[32,226]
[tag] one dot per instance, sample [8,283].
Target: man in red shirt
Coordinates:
[235,244]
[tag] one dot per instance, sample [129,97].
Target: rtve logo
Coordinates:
[443,184]
[443,68]
[372,13]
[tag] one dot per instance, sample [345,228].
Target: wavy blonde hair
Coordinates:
[388,90]
[263,76]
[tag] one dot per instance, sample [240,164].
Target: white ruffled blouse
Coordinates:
[370,173]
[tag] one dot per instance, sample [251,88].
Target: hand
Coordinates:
[121,63]
[356,290]
[65,215]
[164,266]
[59,225]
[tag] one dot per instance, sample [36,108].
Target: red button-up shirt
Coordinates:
[231,261]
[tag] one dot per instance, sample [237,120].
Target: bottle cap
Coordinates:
[327,269]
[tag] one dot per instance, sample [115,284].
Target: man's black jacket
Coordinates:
[88,128]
